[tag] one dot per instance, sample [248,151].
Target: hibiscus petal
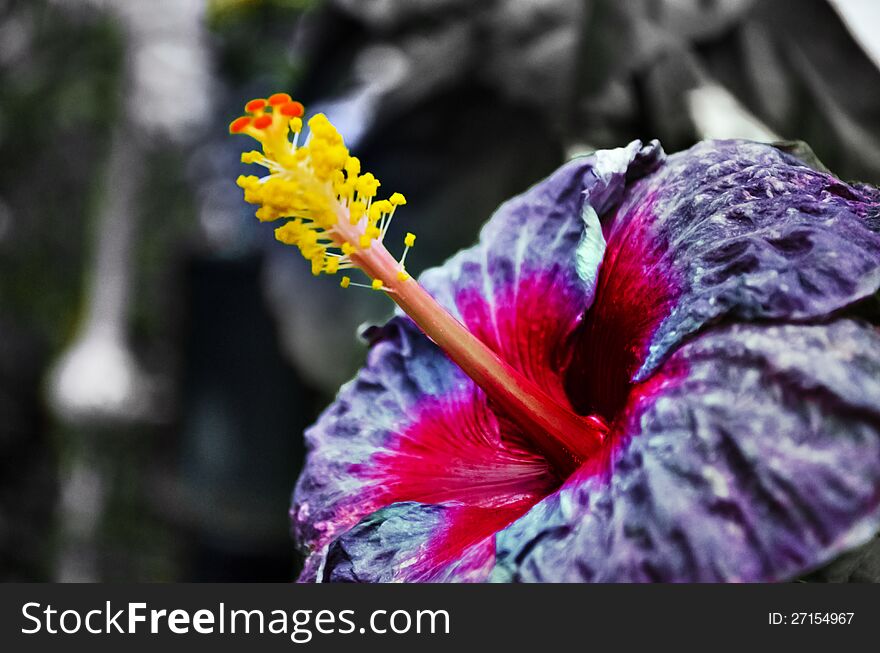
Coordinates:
[417,542]
[412,427]
[752,454]
[524,287]
[728,230]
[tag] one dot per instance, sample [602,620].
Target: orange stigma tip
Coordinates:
[262,122]
[292,110]
[238,125]
[278,99]
[255,105]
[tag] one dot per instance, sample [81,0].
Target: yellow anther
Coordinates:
[377,284]
[402,275]
[373,232]
[397,199]
[247,181]
[345,191]
[345,282]
[410,239]
[383,206]
[356,210]
[332,265]
[353,166]
[252,196]
[267,214]
[347,248]
[296,125]
[367,185]
[364,242]
[288,233]
[251,157]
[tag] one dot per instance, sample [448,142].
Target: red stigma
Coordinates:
[262,122]
[255,105]
[278,99]
[293,110]
[239,124]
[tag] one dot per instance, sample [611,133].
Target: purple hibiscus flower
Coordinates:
[649,368]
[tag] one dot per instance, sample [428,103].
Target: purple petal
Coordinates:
[728,230]
[400,543]
[753,454]
[411,427]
